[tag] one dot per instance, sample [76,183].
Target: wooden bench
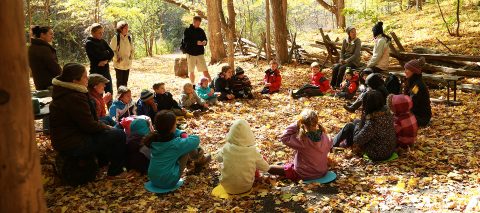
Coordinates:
[469,88]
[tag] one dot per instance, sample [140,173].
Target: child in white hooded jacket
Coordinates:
[240,159]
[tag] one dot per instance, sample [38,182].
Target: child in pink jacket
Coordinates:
[405,123]
[311,144]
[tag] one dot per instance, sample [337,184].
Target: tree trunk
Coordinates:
[231,33]
[458,17]
[419,5]
[29,17]
[20,177]
[280,27]
[336,9]
[268,48]
[97,11]
[215,39]
[47,10]
[284,9]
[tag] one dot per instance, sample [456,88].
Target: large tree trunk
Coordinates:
[337,9]
[281,33]
[229,28]
[268,48]
[215,38]
[20,177]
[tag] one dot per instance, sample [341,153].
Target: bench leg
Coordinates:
[448,92]
[455,91]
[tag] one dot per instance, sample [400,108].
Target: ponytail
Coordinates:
[37,31]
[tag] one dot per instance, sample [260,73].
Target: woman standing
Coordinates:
[43,58]
[349,56]
[123,48]
[381,52]
[99,53]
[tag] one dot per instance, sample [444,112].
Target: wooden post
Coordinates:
[268,49]
[397,42]
[20,177]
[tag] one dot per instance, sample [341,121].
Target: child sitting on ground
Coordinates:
[146,105]
[222,84]
[138,155]
[96,91]
[311,144]
[123,106]
[349,86]
[272,79]
[171,150]
[238,177]
[206,93]
[319,84]
[165,101]
[242,88]
[404,121]
[191,101]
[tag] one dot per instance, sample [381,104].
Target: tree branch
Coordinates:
[325,5]
[189,8]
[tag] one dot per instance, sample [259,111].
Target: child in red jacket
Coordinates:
[318,86]
[404,121]
[349,86]
[272,79]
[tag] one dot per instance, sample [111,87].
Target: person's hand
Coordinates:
[107,97]
[204,43]
[268,84]
[119,59]
[230,96]
[102,63]
[154,106]
[299,123]
[205,105]
[217,93]
[200,43]
[324,131]
[184,110]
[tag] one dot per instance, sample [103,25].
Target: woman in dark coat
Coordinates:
[43,58]
[374,134]
[418,91]
[75,129]
[99,53]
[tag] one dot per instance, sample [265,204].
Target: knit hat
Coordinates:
[146,95]
[240,134]
[202,80]
[95,79]
[122,90]
[377,29]
[415,65]
[349,72]
[239,71]
[315,64]
[348,29]
[141,125]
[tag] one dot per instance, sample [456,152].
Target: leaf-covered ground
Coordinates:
[440,173]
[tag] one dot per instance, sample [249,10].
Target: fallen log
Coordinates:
[429,68]
[366,48]
[409,56]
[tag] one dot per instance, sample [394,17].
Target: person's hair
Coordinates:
[94,27]
[224,69]
[203,79]
[72,71]
[157,85]
[186,85]
[121,25]
[37,31]
[164,122]
[122,90]
[308,118]
[273,61]
[372,101]
[197,18]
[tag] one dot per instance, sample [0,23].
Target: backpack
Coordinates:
[393,85]
[118,40]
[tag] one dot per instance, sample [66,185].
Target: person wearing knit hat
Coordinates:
[123,106]
[381,50]
[146,105]
[349,56]
[241,85]
[96,87]
[418,91]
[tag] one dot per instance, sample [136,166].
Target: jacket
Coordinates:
[165,101]
[164,169]
[405,122]
[125,51]
[186,101]
[71,119]
[203,92]
[240,158]
[320,81]
[43,63]
[375,136]
[310,160]
[138,155]
[99,103]
[240,84]
[145,109]
[274,78]
[381,53]
[98,50]
[191,35]
[351,51]
[418,92]
[350,86]
[119,110]
[223,86]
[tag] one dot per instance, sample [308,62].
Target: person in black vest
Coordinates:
[122,46]
[195,41]
[43,58]
[99,53]
[418,91]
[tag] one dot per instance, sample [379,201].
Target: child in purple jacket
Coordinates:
[311,144]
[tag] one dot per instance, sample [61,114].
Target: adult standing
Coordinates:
[418,91]
[99,53]
[43,58]
[75,129]
[122,47]
[349,56]
[195,41]
[381,50]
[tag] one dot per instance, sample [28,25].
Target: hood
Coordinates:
[61,88]
[140,126]
[374,81]
[240,134]
[399,104]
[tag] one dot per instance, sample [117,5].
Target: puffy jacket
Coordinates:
[274,78]
[43,63]
[405,122]
[321,82]
[350,86]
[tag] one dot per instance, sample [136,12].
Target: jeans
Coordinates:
[308,90]
[122,77]
[338,71]
[346,134]
[109,145]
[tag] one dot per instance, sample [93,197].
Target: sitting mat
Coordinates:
[151,188]
[220,192]
[393,157]
[329,177]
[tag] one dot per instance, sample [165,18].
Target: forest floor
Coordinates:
[440,173]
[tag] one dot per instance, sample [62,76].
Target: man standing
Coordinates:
[195,42]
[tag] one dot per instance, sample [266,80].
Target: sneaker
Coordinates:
[189,115]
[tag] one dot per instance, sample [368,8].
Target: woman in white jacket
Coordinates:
[122,46]
[240,159]
[381,50]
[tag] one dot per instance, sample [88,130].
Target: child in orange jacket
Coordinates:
[272,79]
[349,86]
[318,86]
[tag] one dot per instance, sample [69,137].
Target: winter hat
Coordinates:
[240,134]
[377,29]
[374,81]
[349,72]
[415,65]
[399,104]
[239,71]
[141,126]
[146,95]
[348,29]
[202,80]
[315,64]
[122,90]
[373,101]
[95,79]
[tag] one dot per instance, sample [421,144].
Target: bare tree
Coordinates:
[217,48]
[336,8]
[458,17]
[281,34]
[20,177]
[229,27]
[268,48]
